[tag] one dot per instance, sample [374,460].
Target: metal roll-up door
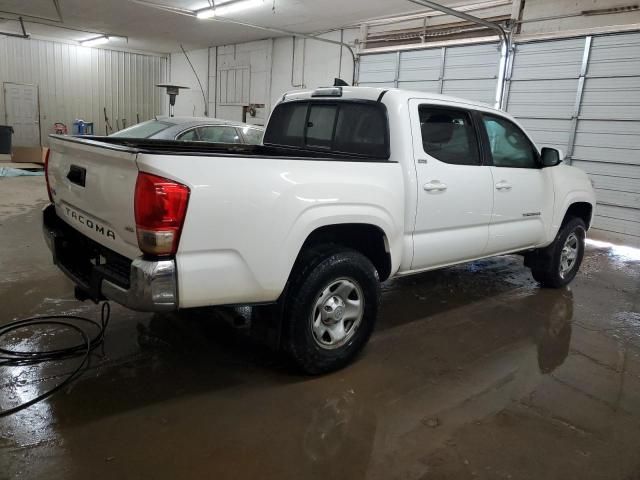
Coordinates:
[471,71]
[377,70]
[607,141]
[541,93]
[421,70]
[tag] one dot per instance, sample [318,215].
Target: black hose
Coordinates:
[204,97]
[13,358]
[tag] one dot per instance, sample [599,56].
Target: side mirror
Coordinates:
[550,157]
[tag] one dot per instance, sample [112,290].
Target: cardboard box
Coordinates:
[28,155]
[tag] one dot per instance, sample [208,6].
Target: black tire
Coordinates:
[316,270]
[545,262]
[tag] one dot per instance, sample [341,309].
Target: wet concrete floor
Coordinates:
[473,372]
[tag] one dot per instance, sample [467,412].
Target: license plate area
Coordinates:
[88,262]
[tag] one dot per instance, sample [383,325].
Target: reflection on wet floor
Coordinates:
[473,372]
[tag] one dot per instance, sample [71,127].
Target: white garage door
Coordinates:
[469,71]
[599,129]
[607,142]
[542,91]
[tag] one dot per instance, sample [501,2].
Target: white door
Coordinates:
[455,191]
[22,113]
[522,190]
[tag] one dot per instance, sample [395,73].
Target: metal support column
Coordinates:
[578,103]
[505,41]
[396,76]
[443,56]
[507,79]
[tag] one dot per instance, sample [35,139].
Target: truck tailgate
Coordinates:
[93,186]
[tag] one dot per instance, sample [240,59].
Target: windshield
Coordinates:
[143,130]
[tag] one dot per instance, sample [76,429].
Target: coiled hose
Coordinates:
[14,358]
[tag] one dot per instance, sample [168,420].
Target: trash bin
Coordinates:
[78,127]
[5,139]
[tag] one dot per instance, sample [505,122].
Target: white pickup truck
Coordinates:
[352,186]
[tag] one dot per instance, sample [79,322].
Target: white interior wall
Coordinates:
[189,102]
[316,63]
[271,64]
[256,56]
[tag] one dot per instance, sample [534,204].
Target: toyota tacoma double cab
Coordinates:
[351,186]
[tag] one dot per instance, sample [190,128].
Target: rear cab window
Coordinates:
[354,128]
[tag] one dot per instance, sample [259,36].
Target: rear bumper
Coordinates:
[144,285]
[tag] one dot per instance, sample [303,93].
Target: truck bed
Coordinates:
[175,147]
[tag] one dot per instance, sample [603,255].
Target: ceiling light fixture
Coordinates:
[92,42]
[206,13]
[227,8]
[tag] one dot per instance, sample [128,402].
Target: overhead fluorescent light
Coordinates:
[92,42]
[227,8]
[237,6]
[206,13]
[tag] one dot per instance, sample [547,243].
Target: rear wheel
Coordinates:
[557,265]
[331,304]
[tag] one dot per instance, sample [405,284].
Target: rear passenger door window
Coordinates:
[509,146]
[449,135]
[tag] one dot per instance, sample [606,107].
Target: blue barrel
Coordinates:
[78,127]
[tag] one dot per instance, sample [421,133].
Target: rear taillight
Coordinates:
[160,206]
[46,173]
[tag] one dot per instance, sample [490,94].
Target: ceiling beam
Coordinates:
[471,18]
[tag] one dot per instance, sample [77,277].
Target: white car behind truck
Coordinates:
[351,186]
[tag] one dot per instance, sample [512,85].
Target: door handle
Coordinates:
[435,186]
[502,185]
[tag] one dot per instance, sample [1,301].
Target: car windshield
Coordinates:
[143,130]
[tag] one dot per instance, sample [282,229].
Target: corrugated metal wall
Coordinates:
[542,90]
[472,72]
[582,95]
[469,71]
[380,70]
[607,141]
[78,82]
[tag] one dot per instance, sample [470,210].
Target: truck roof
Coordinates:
[373,93]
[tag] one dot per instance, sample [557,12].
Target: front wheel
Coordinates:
[330,308]
[557,265]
